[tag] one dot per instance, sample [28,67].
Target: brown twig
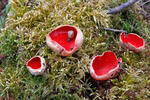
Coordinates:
[121,7]
[145,3]
[114,30]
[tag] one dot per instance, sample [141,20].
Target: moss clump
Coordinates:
[31,22]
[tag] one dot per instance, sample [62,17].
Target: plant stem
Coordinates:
[114,30]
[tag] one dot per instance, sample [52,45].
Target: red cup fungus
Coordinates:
[36,65]
[105,66]
[132,42]
[65,39]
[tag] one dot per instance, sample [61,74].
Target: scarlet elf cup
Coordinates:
[132,42]
[65,39]
[36,65]
[105,66]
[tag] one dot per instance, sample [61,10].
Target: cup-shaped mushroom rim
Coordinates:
[131,46]
[108,75]
[38,71]
[61,50]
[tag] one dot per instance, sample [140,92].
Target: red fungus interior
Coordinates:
[103,64]
[34,63]
[133,39]
[60,35]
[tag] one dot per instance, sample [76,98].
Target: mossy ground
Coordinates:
[68,77]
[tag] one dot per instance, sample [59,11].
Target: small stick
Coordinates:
[121,7]
[145,3]
[114,30]
[121,67]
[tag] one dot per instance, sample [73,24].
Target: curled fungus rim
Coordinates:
[57,40]
[132,42]
[109,72]
[36,65]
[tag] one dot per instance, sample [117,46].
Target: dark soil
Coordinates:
[102,86]
[2,4]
